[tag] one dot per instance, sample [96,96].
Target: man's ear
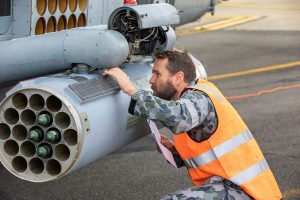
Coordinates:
[179,77]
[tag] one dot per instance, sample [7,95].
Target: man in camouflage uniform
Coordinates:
[215,188]
[178,109]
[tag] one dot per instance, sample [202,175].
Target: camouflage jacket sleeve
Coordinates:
[179,116]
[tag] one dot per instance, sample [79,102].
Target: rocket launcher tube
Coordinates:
[55,52]
[90,120]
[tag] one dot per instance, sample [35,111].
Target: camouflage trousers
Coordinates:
[215,188]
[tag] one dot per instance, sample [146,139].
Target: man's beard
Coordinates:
[166,92]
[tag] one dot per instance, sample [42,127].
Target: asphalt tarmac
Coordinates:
[268,101]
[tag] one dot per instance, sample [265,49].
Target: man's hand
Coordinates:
[168,144]
[122,79]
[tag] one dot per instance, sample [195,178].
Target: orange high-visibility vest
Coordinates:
[231,152]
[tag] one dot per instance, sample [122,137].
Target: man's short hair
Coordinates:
[178,61]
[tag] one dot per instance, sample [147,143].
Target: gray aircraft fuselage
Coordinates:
[52,58]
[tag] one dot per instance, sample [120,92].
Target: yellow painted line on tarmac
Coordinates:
[231,21]
[218,23]
[217,16]
[257,70]
[261,6]
[243,20]
[291,193]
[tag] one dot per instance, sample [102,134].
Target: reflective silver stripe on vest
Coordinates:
[204,87]
[250,172]
[219,150]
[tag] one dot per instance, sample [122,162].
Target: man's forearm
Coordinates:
[123,80]
[176,115]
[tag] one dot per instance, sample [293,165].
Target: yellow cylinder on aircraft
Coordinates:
[72,5]
[40,27]
[62,4]
[51,24]
[52,6]
[81,20]
[41,6]
[62,23]
[82,5]
[72,21]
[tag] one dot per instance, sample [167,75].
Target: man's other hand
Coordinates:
[168,144]
[122,79]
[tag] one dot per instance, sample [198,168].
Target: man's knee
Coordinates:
[213,192]
[210,191]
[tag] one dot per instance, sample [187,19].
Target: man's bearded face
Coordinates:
[164,90]
[161,80]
